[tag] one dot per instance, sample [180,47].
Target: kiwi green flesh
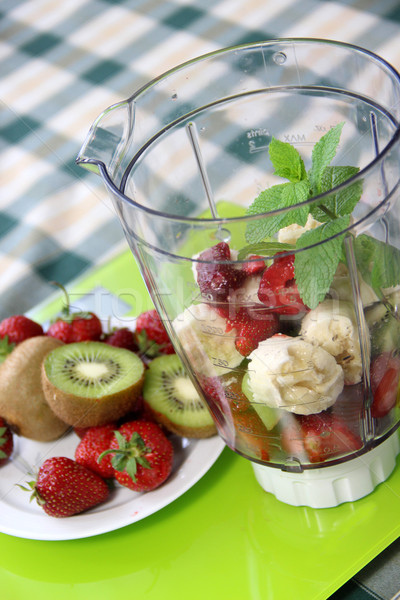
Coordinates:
[172,398]
[269,416]
[84,387]
[92,369]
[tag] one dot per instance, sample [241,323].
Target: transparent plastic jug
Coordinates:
[286,318]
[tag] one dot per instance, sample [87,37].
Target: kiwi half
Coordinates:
[172,400]
[91,383]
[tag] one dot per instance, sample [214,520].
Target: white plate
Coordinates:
[21,518]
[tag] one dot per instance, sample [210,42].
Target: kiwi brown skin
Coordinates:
[81,412]
[187,432]
[22,401]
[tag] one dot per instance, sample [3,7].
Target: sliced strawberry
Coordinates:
[254,266]
[385,376]
[326,436]
[252,327]
[280,272]
[217,280]
[278,289]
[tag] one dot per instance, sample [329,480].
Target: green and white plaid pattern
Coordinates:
[62,64]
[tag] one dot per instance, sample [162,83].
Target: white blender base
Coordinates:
[330,486]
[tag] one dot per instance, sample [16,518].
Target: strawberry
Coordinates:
[151,335]
[217,280]
[385,376]
[94,441]
[72,327]
[62,330]
[64,488]
[325,436]
[142,455]
[18,328]
[6,442]
[122,338]
[278,289]
[254,266]
[252,327]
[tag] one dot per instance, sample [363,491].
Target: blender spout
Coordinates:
[107,140]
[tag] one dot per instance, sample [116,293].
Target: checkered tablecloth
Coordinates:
[62,64]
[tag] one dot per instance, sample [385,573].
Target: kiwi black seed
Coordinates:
[92,383]
[171,398]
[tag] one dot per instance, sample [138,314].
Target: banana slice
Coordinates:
[201,331]
[293,375]
[333,326]
[291,233]
[341,288]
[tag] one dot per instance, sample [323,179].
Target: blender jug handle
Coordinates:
[108,137]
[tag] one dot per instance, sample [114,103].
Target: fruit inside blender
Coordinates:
[295,378]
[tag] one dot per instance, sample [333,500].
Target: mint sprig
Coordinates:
[280,196]
[314,269]
[323,153]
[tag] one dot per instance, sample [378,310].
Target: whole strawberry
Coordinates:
[95,441]
[18,328]
[122,338]
[142,455]
[64,488]
[151,335]
[6,442]
[72,327]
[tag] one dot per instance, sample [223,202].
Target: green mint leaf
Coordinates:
[277,197]
[344,201]
[287,161]
[266,248]
[322,155]
[316,267]
[379,262]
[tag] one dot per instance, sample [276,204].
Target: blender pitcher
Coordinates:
[257,187]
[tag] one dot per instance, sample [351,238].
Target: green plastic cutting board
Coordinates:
[224,539]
